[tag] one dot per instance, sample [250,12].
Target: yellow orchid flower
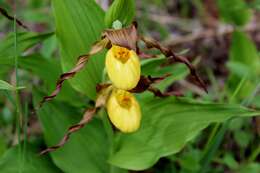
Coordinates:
[123,67]
[124,111]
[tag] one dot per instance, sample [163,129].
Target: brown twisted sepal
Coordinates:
[145,83]
[88,115]
[150,43]
[103,94]
[82,60]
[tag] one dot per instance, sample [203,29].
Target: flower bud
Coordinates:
[124,111]
[123,67]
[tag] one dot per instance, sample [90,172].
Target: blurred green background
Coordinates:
[220,37]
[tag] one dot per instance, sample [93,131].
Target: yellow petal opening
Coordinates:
[123,67]
[121,53]
[124,111]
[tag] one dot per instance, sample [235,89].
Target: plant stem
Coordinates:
[108,129]
[214,144]
[211,136]
[16,93]
[110,135]
[25,133]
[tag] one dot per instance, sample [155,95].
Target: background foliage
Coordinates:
[199,132]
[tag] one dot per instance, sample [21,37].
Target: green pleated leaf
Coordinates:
[46,69]
[122,10]
[234,11]
[167,125]
[10,162]
[49,70]
[25,41]
[79,24]
[87,149]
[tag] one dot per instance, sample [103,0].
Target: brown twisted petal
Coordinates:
[102,86]
[82,60]
[125,37]
[145,55]
[146,82]
[150,43]
[88,115]
[9,17]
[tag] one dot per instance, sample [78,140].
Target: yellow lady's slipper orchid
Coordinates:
[124,110]
[123,67]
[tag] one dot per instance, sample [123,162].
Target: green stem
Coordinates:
[238,88]
[211,136]
[25,133]
[108,129]
[18,126]
[110,135]
[214,144]
[16,92]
